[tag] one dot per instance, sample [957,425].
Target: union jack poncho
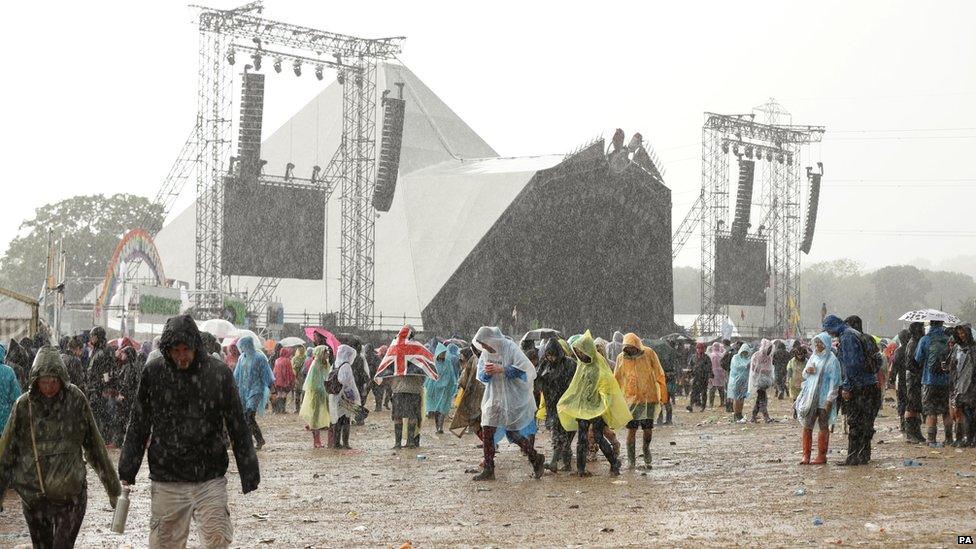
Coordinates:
[406,357]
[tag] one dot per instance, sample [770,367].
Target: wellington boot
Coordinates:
[806,442]
[913,430]
[632,454]
[823,438]
[488,473]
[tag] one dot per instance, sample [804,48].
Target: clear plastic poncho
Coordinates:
[440,392]
[738,388]
[315,403]
[347,401]
[594,392]
[819,388]
[762,374]
[507,403]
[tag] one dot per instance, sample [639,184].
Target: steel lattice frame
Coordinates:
[353,164]
[781,209]
[358,218]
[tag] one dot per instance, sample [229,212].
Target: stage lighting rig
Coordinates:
[277,65]
[230,57]
[297,67]
[318,72]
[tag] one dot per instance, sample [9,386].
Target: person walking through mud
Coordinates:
[859,391]
[593,399]
[254,379]
[50,428]
[508,405]
[556,371]
[642,381]
[701,371]
[404,367]
[738,389]
[315,402]
[761,379]
[186,399]
[816,403]
[932,354]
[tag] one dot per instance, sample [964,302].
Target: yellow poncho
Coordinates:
[594,392]
[641,379]
[315,404]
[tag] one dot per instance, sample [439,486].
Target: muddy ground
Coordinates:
[713,483]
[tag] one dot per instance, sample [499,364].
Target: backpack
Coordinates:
[937,354]
[872,354]
[332,384]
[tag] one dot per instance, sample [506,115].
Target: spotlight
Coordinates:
[735,150]
[789,159]
[748,151]
[769,156]
[257,61]
[341,78]
[318,72]
[230,57]
[725,147]
[780,158]
[297,66]
[359,80]
[277,65]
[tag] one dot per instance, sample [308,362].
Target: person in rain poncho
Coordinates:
[701,371]
[468,412]
[717,383]
[593,397]
[913,385]
[601,347]
[254,378]
[817,401]
[346,404]
[508,406]
[315,402]
[556,371]
[963,362]
[738,389]
[616,345]
[54,421]
[794,370]
[284,379]
[440,392]
[644,387]
[9,389]
[859,389]
[404,367]
[761,378]
[298,368]
[730,351]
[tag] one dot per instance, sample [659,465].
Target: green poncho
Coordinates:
[594,392]
[315,404]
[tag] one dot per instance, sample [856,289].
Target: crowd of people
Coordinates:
[185,399]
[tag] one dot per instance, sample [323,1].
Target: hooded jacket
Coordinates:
[253,376]
[616,346]
[641,378]
[284,374]
[440,393]
[819,389]
[182,415]
[9,389]
[701,366]
[18,360]
[761,374]
[964,364]
[554,376]
[899,360]
[508,403]
[100,365]
[64,430]
[594,392]
[719,376]
[738,388]
[851,354]
[781,357]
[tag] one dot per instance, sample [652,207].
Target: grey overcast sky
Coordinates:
[99,96]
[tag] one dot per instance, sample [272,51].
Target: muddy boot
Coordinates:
[567,461]
[553,464]
[398,435]
[901,422]
[913,432]
[411,436]
[538,465]
[345,437]
[669,410]
[316,439]
[330,437]
[615,465]
[823,438]
[806,440]
[949,440]
[632,454]
[488,473]
[933,432]
[647,454]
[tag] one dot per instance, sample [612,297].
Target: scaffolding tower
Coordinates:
[775,144]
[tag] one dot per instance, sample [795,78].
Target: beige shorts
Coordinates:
[174,504]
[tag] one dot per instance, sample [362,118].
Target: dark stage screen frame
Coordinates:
[271,230]
[741,273]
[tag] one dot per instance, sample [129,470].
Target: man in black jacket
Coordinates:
[185,400]
[100,368]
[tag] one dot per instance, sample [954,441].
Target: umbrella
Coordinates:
[678,337]
[457,341]
[292,342]
[331,339]
[123,342]
[219,327]
[240,333]
[928,315]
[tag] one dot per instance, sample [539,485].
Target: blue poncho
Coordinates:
[819,388]
[440,393]
[738,387]
[253,377]
[9,389]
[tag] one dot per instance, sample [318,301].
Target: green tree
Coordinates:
[897,289]
[90,226]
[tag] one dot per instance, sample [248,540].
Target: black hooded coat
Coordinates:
[182,415]
[554,377]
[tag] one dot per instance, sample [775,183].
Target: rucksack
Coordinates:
[937,354]
[872,354]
